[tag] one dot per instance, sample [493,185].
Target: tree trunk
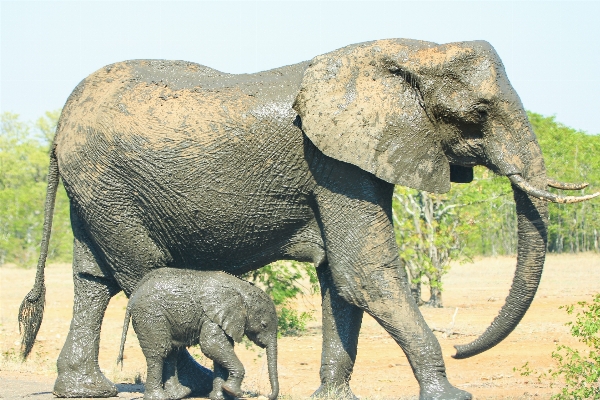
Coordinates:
[435,301]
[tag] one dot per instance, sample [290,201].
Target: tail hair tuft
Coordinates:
[30,318]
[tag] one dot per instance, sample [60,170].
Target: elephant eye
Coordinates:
[482,114]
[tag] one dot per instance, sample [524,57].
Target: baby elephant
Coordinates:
[172,308]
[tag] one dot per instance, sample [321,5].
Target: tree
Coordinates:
[282,280]
[23,169]
[479,218]
[573,156]
[430,235]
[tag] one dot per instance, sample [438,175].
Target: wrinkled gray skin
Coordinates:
[173,308]
[171,163]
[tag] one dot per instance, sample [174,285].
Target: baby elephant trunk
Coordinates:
[272,365]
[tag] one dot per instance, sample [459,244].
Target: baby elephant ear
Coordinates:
[364,105]
[225,307]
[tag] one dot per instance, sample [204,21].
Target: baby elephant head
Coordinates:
[240,308]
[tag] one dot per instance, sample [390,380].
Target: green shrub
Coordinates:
[282,280]
[24,162]
[292,323]
[578,371]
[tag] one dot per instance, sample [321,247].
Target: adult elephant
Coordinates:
[170,163]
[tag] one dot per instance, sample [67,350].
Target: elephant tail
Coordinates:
[31,311]
[124,335]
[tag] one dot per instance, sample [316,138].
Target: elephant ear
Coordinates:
[363,105]
[224,306]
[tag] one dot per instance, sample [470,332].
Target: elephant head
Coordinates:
[422,115]
[239,308]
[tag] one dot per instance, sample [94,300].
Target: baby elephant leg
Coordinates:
[155,340]
[220,375]
[153,388]
[217,346]
[174,389]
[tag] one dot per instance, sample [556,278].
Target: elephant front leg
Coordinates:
[79,374]
[341,326]
[220,376]
[217,346]
[355,212]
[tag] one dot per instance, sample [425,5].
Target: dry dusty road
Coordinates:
[474,292]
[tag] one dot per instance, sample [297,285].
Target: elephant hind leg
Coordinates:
[174,389]
[154,336]
[79,374]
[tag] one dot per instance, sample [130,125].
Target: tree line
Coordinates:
[479,218]
[432,230]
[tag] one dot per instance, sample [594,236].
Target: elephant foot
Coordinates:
[176,391]
[334,391]
[155,394]
[78,384]
[233,389]
[444,391]
[193,375]
[216,395]
[220,395]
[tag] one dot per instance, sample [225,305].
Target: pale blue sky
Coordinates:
[551,50]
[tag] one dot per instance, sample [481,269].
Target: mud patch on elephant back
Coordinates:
[152,99]
[84,110]
[176,75]
[163,118]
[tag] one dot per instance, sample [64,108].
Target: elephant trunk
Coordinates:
[532,217]
[272,366]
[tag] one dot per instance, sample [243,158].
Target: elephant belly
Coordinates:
[227,209]
[226,230]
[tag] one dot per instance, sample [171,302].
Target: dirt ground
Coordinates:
[472,297]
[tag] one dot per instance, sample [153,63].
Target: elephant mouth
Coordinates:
[520,182]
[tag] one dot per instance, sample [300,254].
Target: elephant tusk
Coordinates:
[525,186]
[566,186]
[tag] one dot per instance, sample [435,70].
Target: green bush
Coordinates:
[282,280]
[23,178]
[292,323]
[577,371]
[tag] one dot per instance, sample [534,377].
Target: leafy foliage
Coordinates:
[23,171]
[571,156]
[578,370]
[282,280]
[480,219]
[430,234]
[292,323]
